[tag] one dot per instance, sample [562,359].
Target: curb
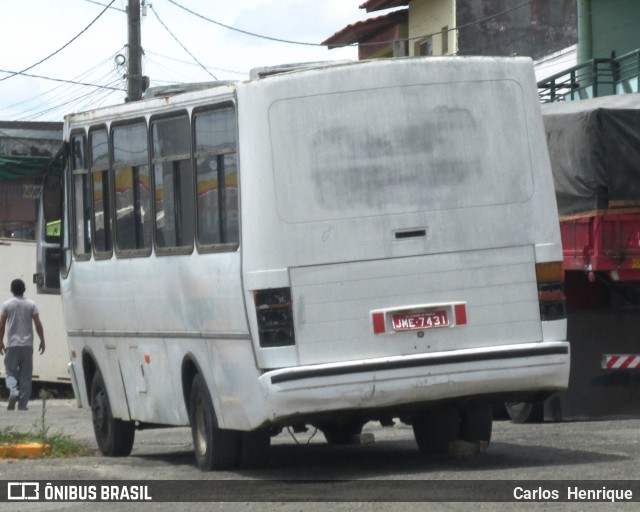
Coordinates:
[29,450]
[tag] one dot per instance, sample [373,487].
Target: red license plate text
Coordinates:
[416,321]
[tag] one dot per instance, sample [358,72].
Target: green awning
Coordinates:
[15,167]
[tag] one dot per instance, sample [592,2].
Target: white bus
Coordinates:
[326,247]
[26,150]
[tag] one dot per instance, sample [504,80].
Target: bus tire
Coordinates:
[525,412]
[254,448]
[114,436]
[476,425]
[214,448]
[435,429]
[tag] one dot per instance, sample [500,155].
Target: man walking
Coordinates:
[18,313]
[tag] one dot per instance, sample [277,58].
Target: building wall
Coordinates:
[30,139]
[427,18]
[615,27]
[557,62]
[385,49]
[537,29]
[19,197]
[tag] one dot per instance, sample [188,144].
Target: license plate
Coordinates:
[424,320]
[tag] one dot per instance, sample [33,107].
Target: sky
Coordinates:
[178,46]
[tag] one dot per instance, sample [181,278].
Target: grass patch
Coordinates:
[61,445]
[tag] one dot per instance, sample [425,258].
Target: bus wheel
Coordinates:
[476,425]
[215,448]
[254,448]
[435,429]
[525,412]
[114,436]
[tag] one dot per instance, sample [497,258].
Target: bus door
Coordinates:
[49,235]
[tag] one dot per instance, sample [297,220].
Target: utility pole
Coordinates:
[134,67]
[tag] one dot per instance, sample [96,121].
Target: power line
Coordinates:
[61,48]
[58,106]
[178,41]
[280,40]
[189,63]
[103,5]
[253,34]
[65,91]
[14,73]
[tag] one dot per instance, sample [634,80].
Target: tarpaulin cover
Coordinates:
[14,167]
[594,146]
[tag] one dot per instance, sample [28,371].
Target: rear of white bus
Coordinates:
[400,242]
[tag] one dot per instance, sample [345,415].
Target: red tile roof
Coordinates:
[364,30]
[379,5]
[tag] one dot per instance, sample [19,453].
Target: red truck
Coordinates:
[594,147]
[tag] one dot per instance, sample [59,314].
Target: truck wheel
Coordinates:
[435,429]
[114,436]
[476,424]
[525,412]
[215,448]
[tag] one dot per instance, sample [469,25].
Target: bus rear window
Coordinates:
[370,153]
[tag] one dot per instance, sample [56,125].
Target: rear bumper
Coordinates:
[405,380]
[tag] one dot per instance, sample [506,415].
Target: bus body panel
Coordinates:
[406,383]
[335,304]
[189,294]
[144,320]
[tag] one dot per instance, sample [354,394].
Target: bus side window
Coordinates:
[132,188]
[101,195]
[81,197]
[217,177]
[173,179]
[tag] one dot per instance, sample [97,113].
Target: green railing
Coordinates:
[597,77]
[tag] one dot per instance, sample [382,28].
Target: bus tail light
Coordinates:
[550,277]
[274,311]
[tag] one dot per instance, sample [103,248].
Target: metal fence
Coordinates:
[597,77]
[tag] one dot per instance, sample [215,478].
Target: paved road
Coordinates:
[603,450]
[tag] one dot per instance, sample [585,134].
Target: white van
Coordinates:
[326,246]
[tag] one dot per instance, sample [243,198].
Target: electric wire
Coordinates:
[182,45]
[59,49]
[112,89]
[30,75]
[59,106]
[68,89]
[246,32]
[96,100]
[189,63]
[68,94]
[288,41]
[103,5]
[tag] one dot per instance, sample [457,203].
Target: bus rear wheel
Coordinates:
[114,436]
[214,448]
[435,429]
[476,425]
